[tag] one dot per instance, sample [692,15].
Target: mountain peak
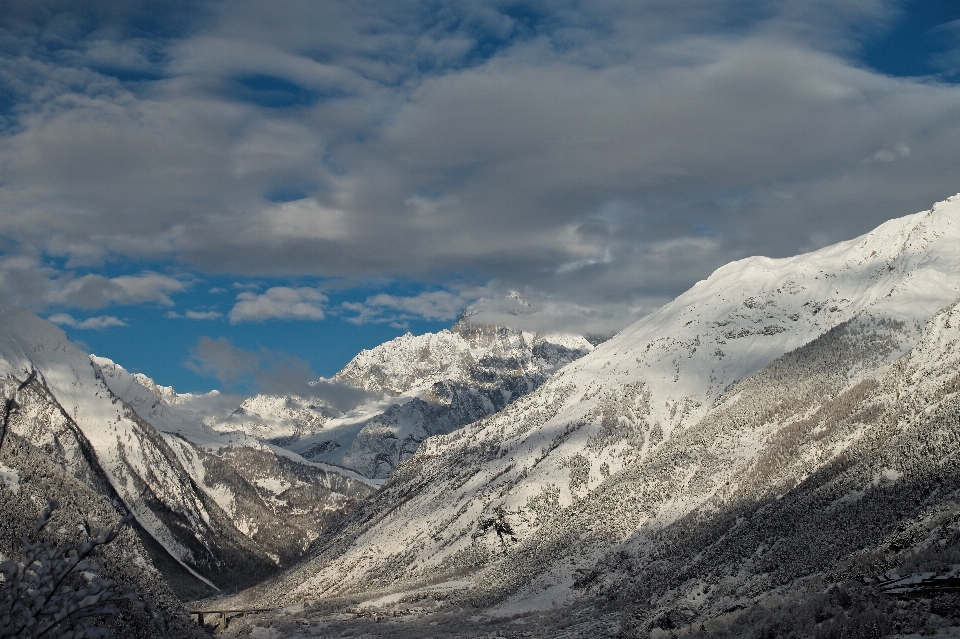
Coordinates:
[492,311]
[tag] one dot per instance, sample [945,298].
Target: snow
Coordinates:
[10,478]
[396,597]
[658,378]
[272,484]
[123,445]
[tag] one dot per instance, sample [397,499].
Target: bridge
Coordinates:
[226,613]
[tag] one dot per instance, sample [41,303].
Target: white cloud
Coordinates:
[496,304]
[25,280]
[202,315]
[899,151]
[279,302]
[95,291]
[194,315]
[95,323]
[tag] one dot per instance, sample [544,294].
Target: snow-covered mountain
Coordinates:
[434,384]
[212,516]
[415,387]
[780,421]
[219,498]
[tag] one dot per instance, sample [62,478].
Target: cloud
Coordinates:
[279,302]
[270,372]
[583,150]
[899,151]
[96,323]
[27,281]
[97,291]
[194,315]
[429,305]
[219,358]
[546,314]
[494,304]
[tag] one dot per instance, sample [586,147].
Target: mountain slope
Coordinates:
[31,478]
[532,498]
[185,500]
[279,501]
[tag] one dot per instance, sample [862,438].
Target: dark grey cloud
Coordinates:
[269,372]
[604,155]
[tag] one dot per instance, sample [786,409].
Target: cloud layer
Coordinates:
[605,155]
[269,372]
[98,322]
[279,302]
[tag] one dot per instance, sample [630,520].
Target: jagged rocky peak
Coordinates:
[482,337]
[408,362]
[432,384]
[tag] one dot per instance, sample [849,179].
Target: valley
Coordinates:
[752,459]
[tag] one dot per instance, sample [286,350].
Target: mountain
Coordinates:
[277,499]
[434,384]
[211,516]
[412,387]
[783,425]
[30,477]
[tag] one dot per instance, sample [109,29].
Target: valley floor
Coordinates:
[849,610]
[419,623]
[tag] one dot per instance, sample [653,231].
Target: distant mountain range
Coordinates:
[411,388]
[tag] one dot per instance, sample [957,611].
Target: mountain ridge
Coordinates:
[181,496]
[616,408]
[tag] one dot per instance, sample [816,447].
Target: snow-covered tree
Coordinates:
[55,590]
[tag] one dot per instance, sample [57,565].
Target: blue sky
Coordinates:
[190,186]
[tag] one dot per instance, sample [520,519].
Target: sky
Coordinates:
[243,195]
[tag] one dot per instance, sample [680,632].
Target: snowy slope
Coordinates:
[433,384]
[121,439]
[134,459]
[619,409]
[156,404]
[279,500]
